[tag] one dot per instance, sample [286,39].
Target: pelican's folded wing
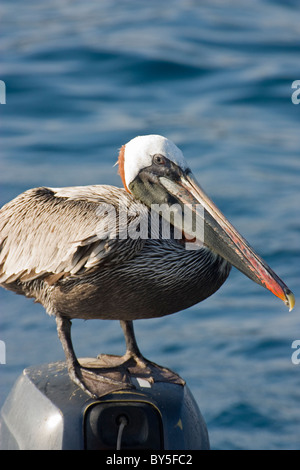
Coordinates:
[54,232]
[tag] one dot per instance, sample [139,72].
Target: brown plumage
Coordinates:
[51,250]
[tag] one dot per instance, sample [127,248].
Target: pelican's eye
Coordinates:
[159,159]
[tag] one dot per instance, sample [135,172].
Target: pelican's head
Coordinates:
[147,157]
[154,170]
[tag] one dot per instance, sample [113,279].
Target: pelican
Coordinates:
[72,251]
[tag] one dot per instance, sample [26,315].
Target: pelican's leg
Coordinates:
[77,373]
[64,333]
[132,349]
[153,371]
[136,362]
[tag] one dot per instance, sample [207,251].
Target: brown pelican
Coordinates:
[70,248]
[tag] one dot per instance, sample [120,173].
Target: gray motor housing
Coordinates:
[46,410]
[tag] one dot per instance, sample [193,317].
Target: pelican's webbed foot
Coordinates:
[107,373]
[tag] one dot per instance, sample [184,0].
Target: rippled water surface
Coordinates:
[83,78]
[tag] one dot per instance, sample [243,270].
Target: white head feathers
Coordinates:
[139,151]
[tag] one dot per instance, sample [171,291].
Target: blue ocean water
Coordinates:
[83,78]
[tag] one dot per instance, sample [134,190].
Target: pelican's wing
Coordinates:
[53,232]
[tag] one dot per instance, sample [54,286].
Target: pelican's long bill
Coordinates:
[222,238]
